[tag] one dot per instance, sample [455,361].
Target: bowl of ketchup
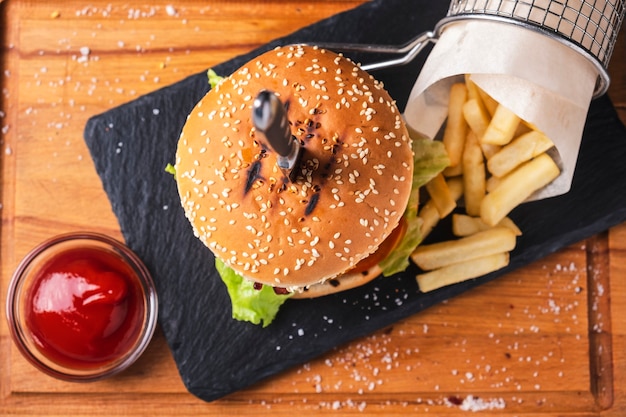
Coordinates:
[81,306]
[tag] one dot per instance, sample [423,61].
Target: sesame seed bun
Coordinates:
[353,180]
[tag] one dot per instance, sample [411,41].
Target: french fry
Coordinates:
[492,183]
[430,217]
[501,128]
[510,224]
[453,171]
[473,91]
[473,175]
[455,185]
[456,128]
[463,271]
[476,116]
[478,245]
[497,160]
[464,225]
[429,213]
[490,103]
[440,195]
[516,187]
[520,150]
[523,128]
[489,150]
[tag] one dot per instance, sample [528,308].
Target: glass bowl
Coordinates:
[81,307]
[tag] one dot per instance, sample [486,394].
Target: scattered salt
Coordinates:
[471,403]
[600,288]
[170,10]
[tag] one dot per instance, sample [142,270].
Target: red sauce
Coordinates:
[85,308]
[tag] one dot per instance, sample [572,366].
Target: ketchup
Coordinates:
[85,308]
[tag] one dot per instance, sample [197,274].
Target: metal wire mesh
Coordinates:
[592,25]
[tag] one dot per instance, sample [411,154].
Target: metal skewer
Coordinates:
[270,119]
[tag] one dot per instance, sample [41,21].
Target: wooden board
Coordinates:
[549,338]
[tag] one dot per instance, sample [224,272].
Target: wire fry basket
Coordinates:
[589,26]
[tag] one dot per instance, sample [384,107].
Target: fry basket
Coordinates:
[588,26]
[545,60]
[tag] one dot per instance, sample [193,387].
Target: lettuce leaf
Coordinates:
[170,169]
[214,79]
[248,303]
[430,158]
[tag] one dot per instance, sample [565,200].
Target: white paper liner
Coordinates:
[542,80]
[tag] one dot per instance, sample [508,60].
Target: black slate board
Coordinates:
[215,355]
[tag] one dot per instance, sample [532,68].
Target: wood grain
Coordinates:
[549,339]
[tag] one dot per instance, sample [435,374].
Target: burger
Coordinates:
[347,211]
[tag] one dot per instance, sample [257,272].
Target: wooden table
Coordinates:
[549,339]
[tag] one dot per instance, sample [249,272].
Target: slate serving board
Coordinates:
[216,355]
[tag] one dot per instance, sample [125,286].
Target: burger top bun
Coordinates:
[353,179]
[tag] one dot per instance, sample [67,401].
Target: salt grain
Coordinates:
[84,54]
[170,10]
[471,403]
